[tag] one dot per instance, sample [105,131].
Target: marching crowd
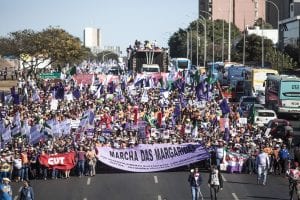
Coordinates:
[176,114]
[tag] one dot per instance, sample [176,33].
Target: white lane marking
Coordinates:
[16,197]
[224,179]
[235,196]
[20,189]
[85,198]
[155,179]
[158,197]
[88,181]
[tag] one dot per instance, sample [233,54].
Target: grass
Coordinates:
[6,85]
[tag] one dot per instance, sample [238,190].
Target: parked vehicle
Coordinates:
[247,101]
[262,116]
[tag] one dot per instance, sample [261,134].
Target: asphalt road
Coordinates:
[153,186]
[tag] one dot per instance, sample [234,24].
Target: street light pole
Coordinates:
[205,40]
[191,44]
[223,41]
[213,24]
[229,31]
[278,16]
[197,47]
[187,44]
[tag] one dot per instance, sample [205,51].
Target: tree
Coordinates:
[178,41]
[253,53]
[293,51]
[253,48]
[107,55]
[280,61]
[262,24]
[34,48]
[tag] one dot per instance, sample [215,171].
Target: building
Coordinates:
[92,39]
[271,34]
[243,12]
[290,33]
[115,49]
[286,8]
[271,11]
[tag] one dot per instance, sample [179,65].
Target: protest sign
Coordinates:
[62,161]
[154,157]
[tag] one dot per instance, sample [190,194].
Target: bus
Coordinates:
[180,64]
[283,94]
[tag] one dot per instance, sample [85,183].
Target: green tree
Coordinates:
[253,48]
[178,41]
[34,48]
[280,61]
[253,53]
[293,52]
[262,24]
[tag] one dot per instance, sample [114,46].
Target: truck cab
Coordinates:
[149,69]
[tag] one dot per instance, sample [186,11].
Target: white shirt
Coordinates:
[263,159]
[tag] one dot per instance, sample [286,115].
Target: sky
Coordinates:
[121,21]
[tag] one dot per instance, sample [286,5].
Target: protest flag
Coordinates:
[60,92]
[16,99]
[195,130]
[224,107]
[76,93]
[159,119]
[136,113]
[72,71]
[35,96]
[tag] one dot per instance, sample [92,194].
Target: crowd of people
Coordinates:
[173,114]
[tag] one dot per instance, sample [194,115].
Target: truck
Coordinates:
[140,56]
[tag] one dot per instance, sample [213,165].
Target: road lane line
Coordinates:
[85,198]
[234,196]
[155,179]
[20,189]
[88,181]
[159,197]
[16,197]
[224,179]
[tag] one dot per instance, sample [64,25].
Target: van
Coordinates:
[150,68]
[262,117]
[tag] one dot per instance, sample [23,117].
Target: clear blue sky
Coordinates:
[120,21]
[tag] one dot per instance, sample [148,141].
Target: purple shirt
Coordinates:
[81,155]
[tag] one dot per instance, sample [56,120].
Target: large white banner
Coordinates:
[151,158]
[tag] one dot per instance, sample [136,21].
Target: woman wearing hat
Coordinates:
[5,189]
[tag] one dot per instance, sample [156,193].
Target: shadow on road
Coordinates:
[245,183]
[259,197]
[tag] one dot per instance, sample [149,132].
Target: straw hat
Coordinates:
[6,179]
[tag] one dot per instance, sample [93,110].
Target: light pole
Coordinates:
[277,18]
[103,55]
[229,31]
[213,24]
[205,40]
[187,43]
